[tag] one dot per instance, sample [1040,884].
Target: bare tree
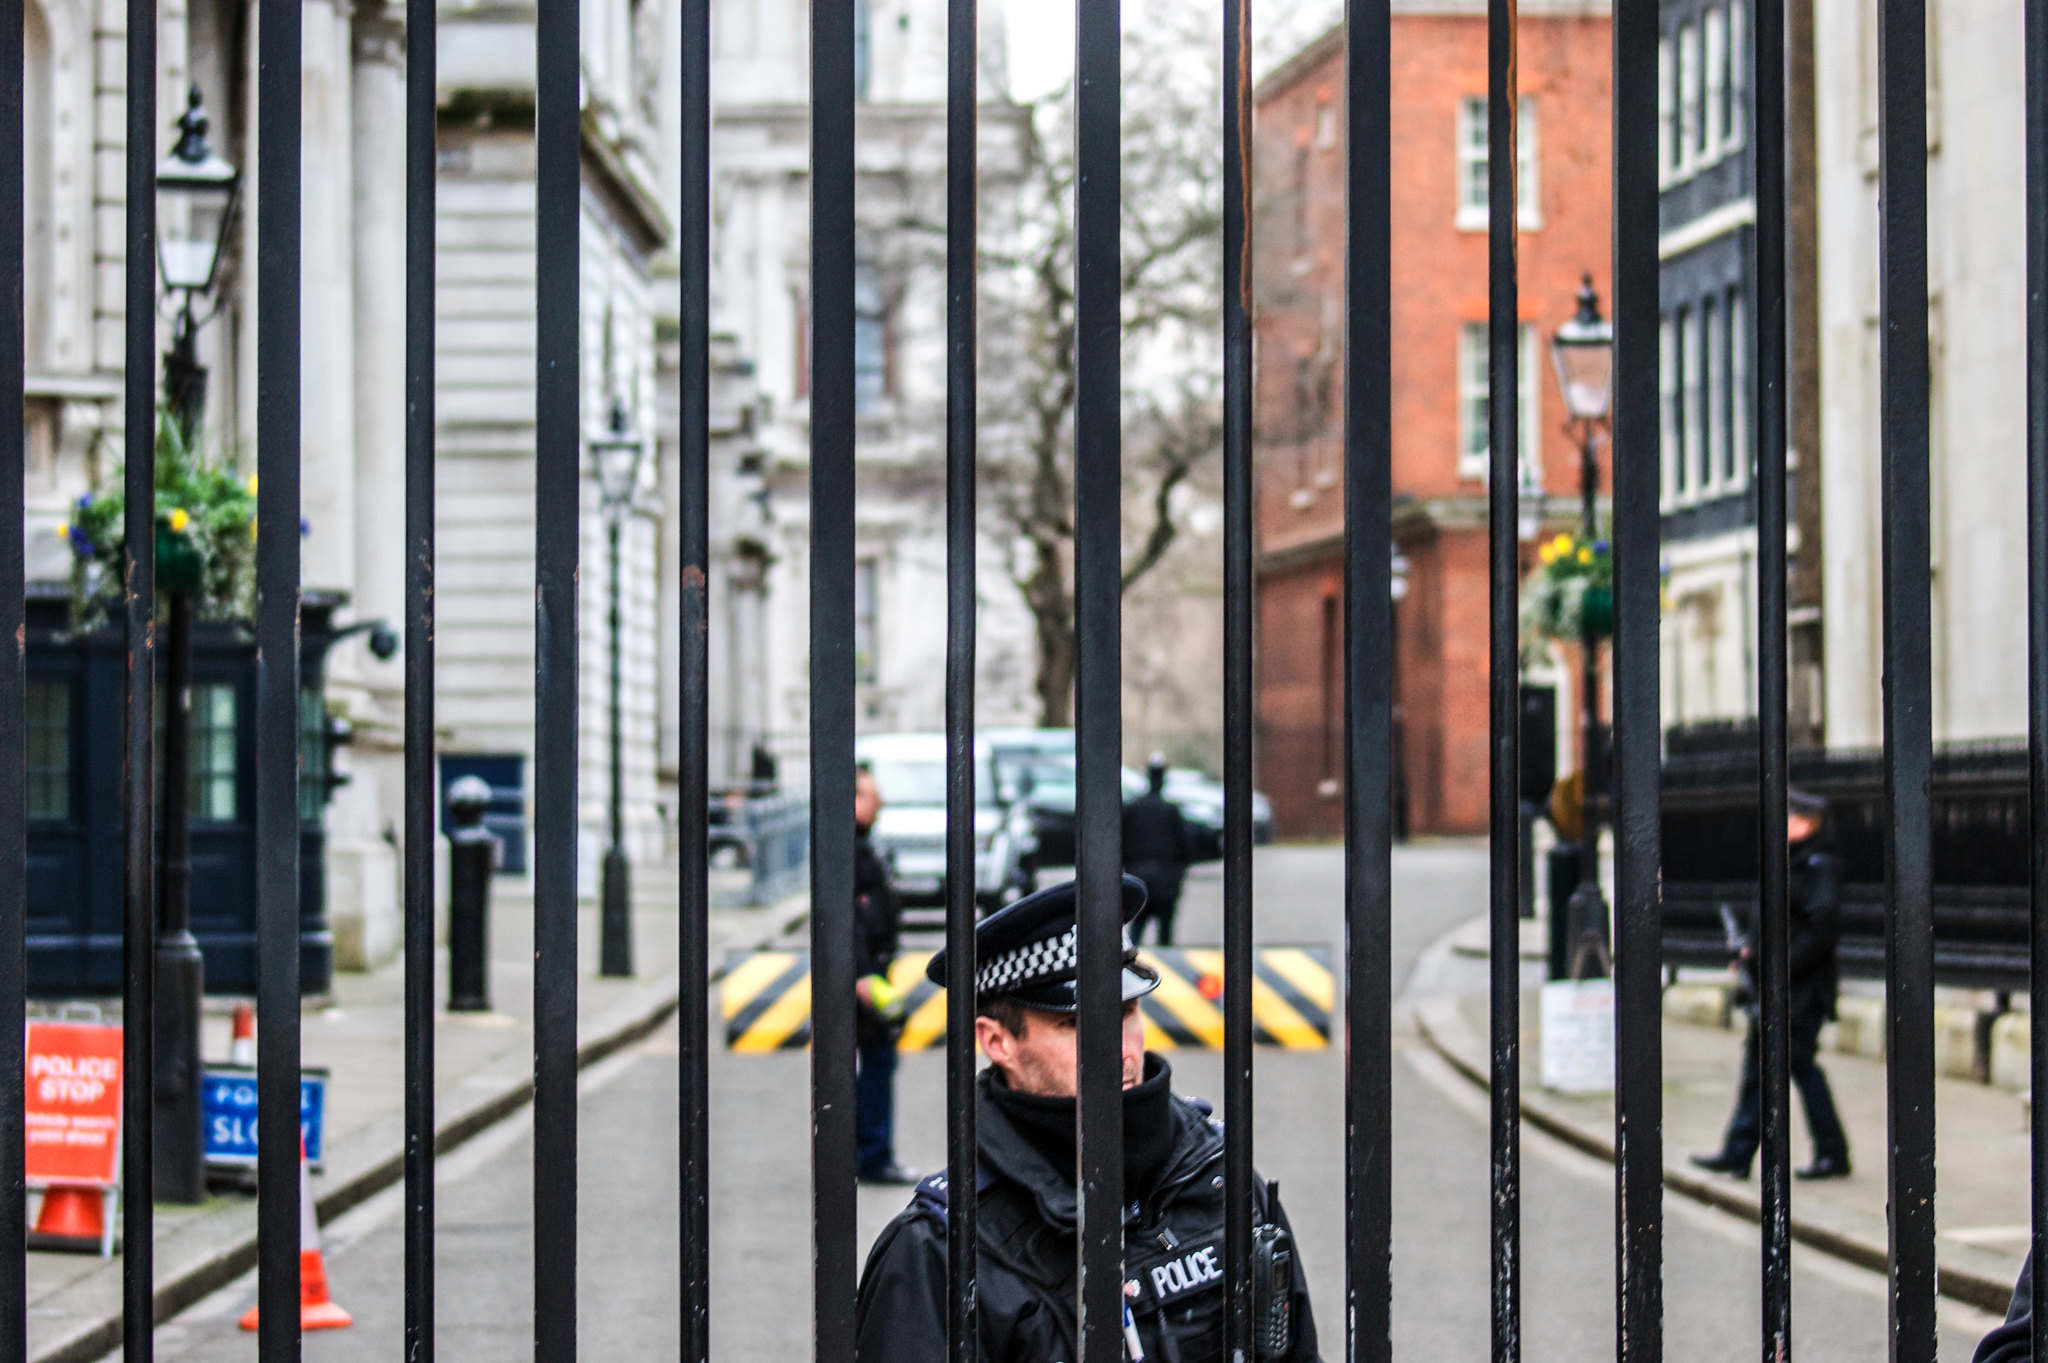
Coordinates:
[1172,283]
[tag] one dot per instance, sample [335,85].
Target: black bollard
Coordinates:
[472,860]
[1564,878]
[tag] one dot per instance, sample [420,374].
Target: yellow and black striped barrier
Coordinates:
[767,999]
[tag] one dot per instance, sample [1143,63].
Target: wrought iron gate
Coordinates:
[1367,768]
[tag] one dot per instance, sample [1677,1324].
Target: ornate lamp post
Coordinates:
[1582,352]
[195,204]
[617,456]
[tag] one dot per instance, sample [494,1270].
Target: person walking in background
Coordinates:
[1814,934]
[1156,851]
[877,913]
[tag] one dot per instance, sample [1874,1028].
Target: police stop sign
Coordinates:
[73,1106]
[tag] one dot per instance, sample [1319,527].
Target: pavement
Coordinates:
[483,1074]
[1981,1143]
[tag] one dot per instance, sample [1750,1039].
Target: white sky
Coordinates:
[1041,37]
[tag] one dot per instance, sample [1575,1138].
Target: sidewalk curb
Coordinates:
[225,1238]
[1438,1018]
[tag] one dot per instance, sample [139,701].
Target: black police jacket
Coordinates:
[2013,1341]
[1173,1247]
[1816,932]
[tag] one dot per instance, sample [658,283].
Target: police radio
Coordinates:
[1272,1285]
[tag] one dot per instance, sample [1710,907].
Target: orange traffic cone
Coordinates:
[242,1049]
[317,1310]
[73,1213]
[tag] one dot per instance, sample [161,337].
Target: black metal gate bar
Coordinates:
[832,676]
[1772,960]
[138,768]
[1238,701]
[1098,698]
[558,526]
[1368,680]
[278,154]
[962,69]
[1504,673]
[13,720]
[1638,937]
[2035,41]
[420,803]
[693,435]
[1908,725]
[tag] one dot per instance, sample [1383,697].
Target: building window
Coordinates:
[49,750]
[1692,378]
[1472,165]
[1475,460]
[871,386]
[1714,122]
[1673,455]
[1688,99]
[210,730]
[313,755]
[1714,341]
[1333,696]
[1667,113]
[863,49]
[867,620]
[1737,474]
[1736,126]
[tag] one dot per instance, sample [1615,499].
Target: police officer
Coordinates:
[1156,851]
[1025,1188]
[1814,934]
[877,916]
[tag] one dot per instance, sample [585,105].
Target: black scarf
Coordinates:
[1149,1127]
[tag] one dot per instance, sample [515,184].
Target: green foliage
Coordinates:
[205,532]
[1570,596]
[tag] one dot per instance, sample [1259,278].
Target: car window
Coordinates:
[917,782]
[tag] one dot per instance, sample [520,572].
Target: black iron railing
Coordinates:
[1902,821]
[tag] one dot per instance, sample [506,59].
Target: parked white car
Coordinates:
[910,835]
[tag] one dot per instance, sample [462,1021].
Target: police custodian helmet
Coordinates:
[1027,952]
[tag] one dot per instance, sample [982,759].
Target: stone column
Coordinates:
[327,389]
[379,292]
[362,859]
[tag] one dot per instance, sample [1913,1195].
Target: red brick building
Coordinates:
[1439,386]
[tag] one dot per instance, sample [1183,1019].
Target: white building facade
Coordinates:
[760,290]
[1976,287]
[353,272]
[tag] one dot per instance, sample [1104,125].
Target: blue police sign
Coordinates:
[228,1099]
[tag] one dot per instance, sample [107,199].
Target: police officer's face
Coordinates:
[867,800]
[1800,827]
[1043,1059]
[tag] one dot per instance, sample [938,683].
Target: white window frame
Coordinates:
[1688,100]
[1714,418]
[1472,154]
[1737,130]
[1736,476]
[1692,393]
[1667,113]
[1475,455]
[1671,453]
[1713,125]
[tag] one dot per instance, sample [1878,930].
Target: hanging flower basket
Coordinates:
[1570,596]
[205,533]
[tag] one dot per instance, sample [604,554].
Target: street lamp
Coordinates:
[1582,351]
[195,196]
[617,456]
[195,192]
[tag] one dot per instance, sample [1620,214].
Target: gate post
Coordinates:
[472,857]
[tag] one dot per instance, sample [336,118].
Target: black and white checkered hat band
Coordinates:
[1041,962]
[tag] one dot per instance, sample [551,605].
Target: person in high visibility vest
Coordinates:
[877,913]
